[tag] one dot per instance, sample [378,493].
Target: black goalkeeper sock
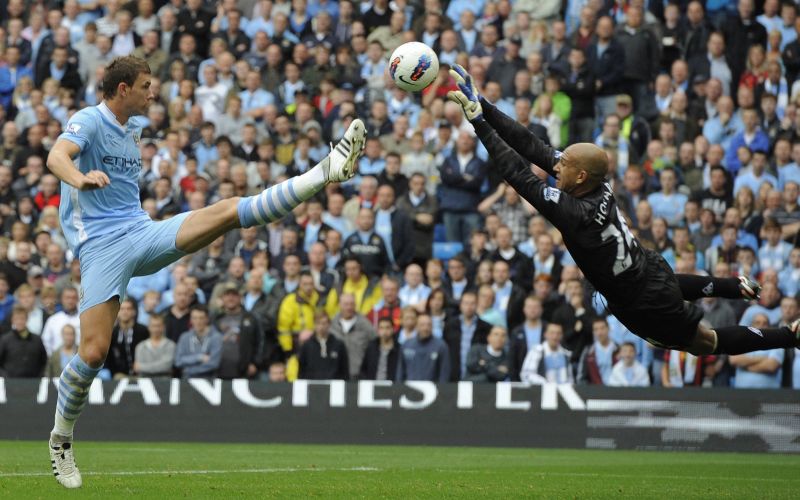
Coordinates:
[743,339]
[696,287]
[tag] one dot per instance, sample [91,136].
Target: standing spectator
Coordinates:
[366,290]
[199,350]
[463,331]
[606,60]
[555,53]
[575,315]
[242,337]
[489,363]
[741,32]
[758,369]
[297,312]
[125,337]
[714,63]
[354,330]
[177,317]
[323,357]
[380,357]
[22,354]
[580,87]
[752,138]
[51,333]
[421,208]
[548,362]
[668,203]
[424,357]
[527,335]
[414,293]
[61,357]
[774,253]
[395,227]
[597,360]
[520,265]
[509,297]
[641,61]
[628,372]
[513,211]
[7,299]
[367,246]
[196,21]
[506,64]
[154,356]
[462,175]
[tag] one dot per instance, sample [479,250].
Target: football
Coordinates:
[413,66]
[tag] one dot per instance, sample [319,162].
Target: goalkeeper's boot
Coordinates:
[750,289]
[62,459]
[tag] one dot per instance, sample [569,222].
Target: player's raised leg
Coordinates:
[205,225]
[73,387]
[695,287]
[744,339]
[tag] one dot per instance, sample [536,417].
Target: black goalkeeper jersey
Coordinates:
[593,229]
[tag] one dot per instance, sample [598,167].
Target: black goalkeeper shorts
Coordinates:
[659,314]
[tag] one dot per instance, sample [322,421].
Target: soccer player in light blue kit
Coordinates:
[98,161]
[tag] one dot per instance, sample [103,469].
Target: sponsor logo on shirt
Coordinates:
[73,128]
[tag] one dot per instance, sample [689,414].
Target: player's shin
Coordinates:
[278,200]
[743,339]
[73,391]
[696,287]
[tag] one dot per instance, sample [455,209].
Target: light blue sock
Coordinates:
[277,201]
[73,391]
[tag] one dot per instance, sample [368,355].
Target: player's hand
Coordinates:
[467,96]
[94,180]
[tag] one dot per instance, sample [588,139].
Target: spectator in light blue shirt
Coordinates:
[758,369]
[721,128]
[774,252]
[751,137]
[768,306]
[457,7]
[668,203]
[254,98]
[756,176]
[789,277]
[371,163]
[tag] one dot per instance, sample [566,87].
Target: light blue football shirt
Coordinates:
[114,149]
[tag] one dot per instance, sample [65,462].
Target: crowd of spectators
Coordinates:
[425,266]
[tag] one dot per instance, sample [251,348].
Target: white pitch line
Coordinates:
[600,475]
[200,472]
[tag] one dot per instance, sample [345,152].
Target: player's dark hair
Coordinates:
[123,70]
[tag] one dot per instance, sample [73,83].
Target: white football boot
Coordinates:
[63,461]
[342,162]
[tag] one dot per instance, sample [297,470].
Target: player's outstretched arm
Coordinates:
[59,161]
[521,140]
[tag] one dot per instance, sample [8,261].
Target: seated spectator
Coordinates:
[768,305]
[789,277]
[389,305]
[489,363]
[682,369]
[51,333]
[354,330]
[462,175]
[325,278]
[242,337]
[414,293]
[380,357]
[126,335]
[520,266]
[755,176]
[395,227]
[751,137]
[296,313]
[66,351]
[527,335]
[628,372]
[7,299]
[509,297]
[199,350]
[367,245]
[758,369]
[575,315]
[366,290]
[424,357]
[668,203]
[154,357]
[323,356]
[22,354]
[774,253]
[545,262]
[463,331]
[276,372]
[598,359]
[548,362]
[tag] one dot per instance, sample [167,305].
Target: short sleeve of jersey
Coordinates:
[80,129]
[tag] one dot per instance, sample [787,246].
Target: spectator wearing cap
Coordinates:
[323,356]
[506,64]
[752,137]
[68,315]
[242,337]
[22,354]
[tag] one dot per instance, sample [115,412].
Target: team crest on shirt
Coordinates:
[137,137]
[552,194]
[73,128]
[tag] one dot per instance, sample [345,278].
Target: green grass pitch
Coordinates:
[170,470]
